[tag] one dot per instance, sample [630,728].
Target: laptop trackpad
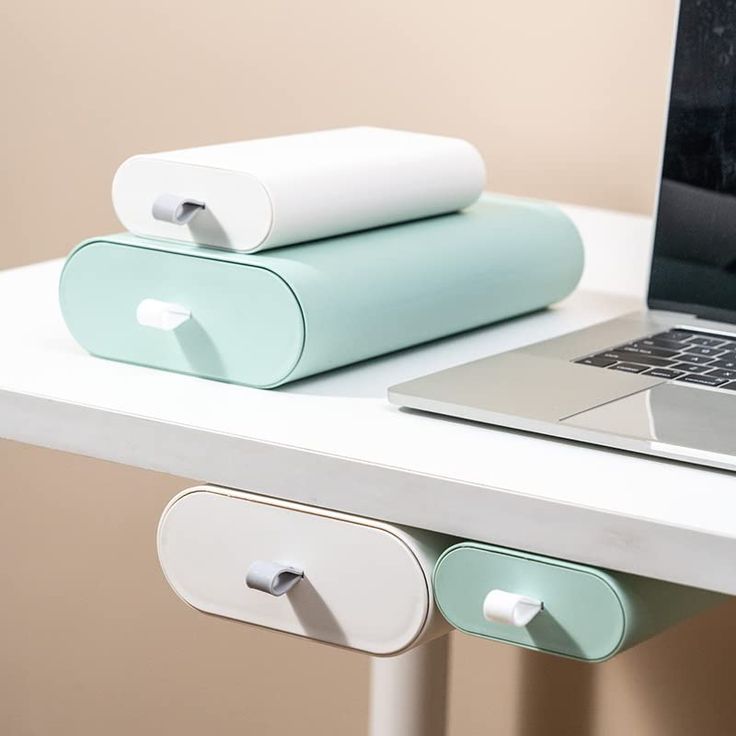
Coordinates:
[669,413]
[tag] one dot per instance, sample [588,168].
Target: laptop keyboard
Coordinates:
[699,358]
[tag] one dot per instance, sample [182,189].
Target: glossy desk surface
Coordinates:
[334,440]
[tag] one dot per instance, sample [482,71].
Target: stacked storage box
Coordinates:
[266,261]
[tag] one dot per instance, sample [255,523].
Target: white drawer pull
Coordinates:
[165,316]
[503,607]
[273,578]
[175,208]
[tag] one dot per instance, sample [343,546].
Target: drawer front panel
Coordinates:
[245,324]
[583,616]
[238,212]
[365,586]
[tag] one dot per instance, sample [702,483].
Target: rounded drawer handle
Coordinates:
[165,316]
[273,578]
[176,209]
[502,607]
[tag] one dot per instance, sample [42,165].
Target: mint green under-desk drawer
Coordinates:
[589,614]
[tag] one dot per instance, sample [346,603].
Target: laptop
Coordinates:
[661,381]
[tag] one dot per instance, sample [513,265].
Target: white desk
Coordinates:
[334,441]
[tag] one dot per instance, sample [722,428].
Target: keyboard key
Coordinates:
[677,354]
[647,350]
[722,373]
[597,360]
[698,359]
[707,342]
[708,352]
[728,364]
[702,380]
[691,367]
[662,373]
[676,335]
[629,357]
[661,342]
[730,355]
[730,386]
[628,367]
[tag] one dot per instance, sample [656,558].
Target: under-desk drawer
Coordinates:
[331,577]
[556,606]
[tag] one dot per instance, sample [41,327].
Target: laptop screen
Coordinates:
[694,264]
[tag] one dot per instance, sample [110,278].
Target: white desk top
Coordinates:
[334,441]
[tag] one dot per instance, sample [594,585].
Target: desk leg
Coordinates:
[409,691]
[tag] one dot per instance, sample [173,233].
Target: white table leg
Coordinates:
[409,691]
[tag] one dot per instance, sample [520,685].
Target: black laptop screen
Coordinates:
[694,265]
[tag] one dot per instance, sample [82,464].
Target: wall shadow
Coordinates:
[556,696]
[679,683]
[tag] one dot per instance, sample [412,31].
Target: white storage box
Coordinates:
[271,192]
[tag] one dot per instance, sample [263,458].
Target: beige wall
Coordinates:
[565,99]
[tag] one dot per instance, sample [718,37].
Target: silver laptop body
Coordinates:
[662,381]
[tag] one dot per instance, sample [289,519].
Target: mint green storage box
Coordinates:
[263,320]
[588,614]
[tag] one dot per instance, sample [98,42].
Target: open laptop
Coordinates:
[663,381]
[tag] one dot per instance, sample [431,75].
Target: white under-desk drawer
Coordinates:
[332,577]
